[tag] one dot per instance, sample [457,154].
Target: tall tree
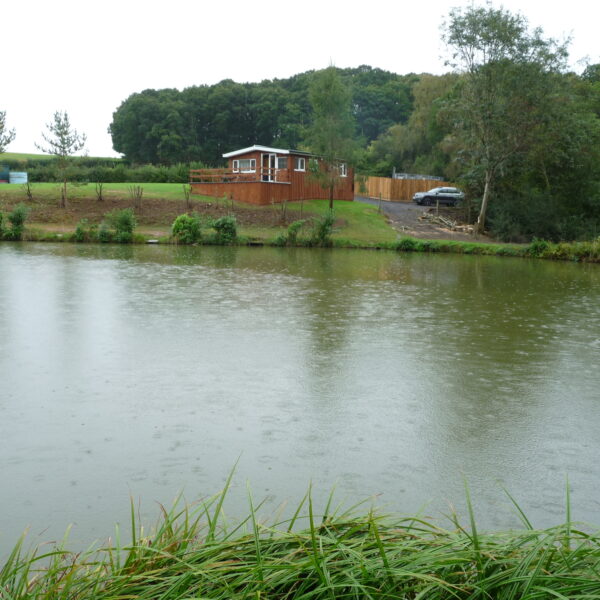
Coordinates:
[6,135]
[63,142]
[331,134]
[499,108]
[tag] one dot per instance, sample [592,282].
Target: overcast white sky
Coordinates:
[87,57]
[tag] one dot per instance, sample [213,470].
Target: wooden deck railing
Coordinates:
[229,176]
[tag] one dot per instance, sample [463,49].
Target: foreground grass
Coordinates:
[192,553]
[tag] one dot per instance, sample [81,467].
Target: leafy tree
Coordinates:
[499,109]
[331,133]
[416,147]
[63,142]
[6,135]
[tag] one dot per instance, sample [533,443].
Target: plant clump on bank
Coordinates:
[117,226]
[16,218]
[341,554]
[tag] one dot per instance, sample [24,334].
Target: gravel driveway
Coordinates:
[404,218]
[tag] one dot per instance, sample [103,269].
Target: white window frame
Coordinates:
[343,170]
[301,161]
[237,167]
[282,158]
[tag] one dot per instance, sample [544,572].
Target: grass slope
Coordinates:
[162,202]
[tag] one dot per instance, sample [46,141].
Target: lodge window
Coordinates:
[282,162]
[244,165]
[343,170]
[299,163]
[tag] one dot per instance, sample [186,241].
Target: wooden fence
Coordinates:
[396,190]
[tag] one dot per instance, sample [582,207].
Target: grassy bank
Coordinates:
[192,553]
[161,203]
[357,225]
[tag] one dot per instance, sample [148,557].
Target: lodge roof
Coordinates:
[256,148]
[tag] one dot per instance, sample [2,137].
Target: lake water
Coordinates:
[146,371]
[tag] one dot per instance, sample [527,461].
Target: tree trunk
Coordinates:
[63,196]
[479,228]
[331,196]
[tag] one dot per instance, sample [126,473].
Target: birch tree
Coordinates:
[498,111]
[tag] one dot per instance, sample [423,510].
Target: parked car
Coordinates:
[449,196]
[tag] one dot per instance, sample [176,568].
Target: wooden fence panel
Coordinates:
[395,190]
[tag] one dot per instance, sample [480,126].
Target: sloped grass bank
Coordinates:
[193,553]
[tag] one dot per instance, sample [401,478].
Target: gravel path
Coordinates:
[404,217]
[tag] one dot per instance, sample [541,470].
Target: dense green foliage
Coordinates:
[187,229]
[202,122]
[334,554]
[117,226]
[16,218]
[226,228]
[105,170]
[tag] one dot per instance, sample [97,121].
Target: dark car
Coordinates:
[449,196]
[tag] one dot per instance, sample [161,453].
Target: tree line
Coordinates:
[200,123]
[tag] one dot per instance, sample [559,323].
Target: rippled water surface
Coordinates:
[147,371]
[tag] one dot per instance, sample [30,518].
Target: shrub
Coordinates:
[81,233]
[537,247]
[406,244]
[293,230]
[122,222]
[226,228]
[187,229]
[104,234]
[322,230]
[17,219]
[280,240]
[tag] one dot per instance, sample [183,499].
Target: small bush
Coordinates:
[280,240]
[187,229]
[122,221]
[104,234]
[293,231]
[17,218]
[537,247]
[406,244]
[322,230]
[226,228]
[81,233]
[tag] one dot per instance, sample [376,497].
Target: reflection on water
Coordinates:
[150,370]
